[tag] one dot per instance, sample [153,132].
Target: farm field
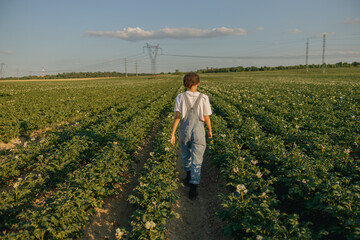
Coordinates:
[285,155]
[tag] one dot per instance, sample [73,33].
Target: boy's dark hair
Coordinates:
[191,79]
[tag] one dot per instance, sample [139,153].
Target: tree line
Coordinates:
[265,68]
[207,70]
[71,75]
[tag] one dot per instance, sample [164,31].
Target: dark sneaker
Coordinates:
[193,193]
[187,179]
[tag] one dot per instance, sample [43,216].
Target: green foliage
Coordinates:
[303,136]
[73,170]
[287,145]
[265,68]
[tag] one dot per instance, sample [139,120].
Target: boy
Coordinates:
[193,109]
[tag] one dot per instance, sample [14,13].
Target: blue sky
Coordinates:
[64,36]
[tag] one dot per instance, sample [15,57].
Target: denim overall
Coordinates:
[192,140]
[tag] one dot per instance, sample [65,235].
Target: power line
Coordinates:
[234,57]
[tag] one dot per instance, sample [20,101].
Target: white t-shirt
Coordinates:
[204,107]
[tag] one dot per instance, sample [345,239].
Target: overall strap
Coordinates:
[197,101]
[188,105]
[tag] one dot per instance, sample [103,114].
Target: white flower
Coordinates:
[115,143]
[167,149]
[149,224]
[16,157]
[33,139]
[154,203]
[297,127]
[258,237]
[303,181]
[263,194]
[241,188]
[254,162]
[151,154]
[347,151]
[119,233]
[236,170]
[223,135]
[259,174]
[142,184]
[16,185]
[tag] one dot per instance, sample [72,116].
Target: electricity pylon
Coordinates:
[2,70]
[153,51]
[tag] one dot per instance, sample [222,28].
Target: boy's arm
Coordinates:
[208,124]
[175,124]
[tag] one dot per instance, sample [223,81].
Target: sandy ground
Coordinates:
[197,217]
[117,210]
[55,80]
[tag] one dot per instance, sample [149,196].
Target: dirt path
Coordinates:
[197,217]
[55,80]
[117,210]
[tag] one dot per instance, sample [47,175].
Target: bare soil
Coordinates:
[117,210]
[55,80]
[197,217]
[16,142]
[38,134]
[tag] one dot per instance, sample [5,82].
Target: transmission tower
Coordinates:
[2,70]
[153,51]
[307,55]
[323,54]
[43,72]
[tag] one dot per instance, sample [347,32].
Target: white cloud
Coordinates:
[352,20]
[7,51]
[260,28]
[135,34]
[349,52]
[295,31]
[326,33]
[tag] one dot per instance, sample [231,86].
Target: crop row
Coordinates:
[250,206]
[57,142]
[155,192]
[53,167]
[84,188]
[28,106]
[304,186]
[31,106]
[308,118]
[313,144]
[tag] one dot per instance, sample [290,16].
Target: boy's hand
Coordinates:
[172,140]
[210,135]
